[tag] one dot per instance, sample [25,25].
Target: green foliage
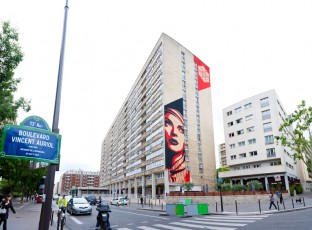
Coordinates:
[225,180]
[188,186]
[297,134]
[238,188]
[258,185]
[291,190]
[299,189]
[10,57]
[226,187]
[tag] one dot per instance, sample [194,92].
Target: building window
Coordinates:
[251,129]
[240,132]
[246,167]
[264,102]
[271,152]
[238,109]
[229,113]
[232,146]
[269,139]
[230,124]
[240,120]
[266,114]
[241,143]
[253,153]
[248,117]
[252,141]
[233,157]
[231,135]
[257,166]
[242,155]
[247,106]
[276,163]
[267,127]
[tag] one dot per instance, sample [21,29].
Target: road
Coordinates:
[127,218]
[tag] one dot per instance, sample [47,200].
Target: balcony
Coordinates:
[253,171]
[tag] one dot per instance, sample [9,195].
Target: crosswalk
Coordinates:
[201,222]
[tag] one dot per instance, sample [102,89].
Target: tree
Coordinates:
[188,186]
[10,57]
[297,134]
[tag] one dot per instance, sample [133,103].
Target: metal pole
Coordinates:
[236,206]
[221,199]
[259,205]
[46,206]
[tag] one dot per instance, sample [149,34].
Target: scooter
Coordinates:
[103,216]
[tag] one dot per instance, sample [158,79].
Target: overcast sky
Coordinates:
[250,46]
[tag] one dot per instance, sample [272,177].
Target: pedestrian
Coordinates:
[141,199]
[6,204]
[271,197]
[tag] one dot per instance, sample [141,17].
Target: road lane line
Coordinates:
[201,226]
[76,220]
[141,214]
[214,223]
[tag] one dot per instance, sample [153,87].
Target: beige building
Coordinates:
[162,136]
[222,155]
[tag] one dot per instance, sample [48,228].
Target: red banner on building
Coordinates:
[203,74]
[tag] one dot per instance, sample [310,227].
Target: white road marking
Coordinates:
[201,226]
[232,221]
[76,220]
[141,214]
[213,223]
[168,227]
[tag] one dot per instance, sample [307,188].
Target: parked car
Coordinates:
[39,199]
[79,206]
[91,199]
[119,201]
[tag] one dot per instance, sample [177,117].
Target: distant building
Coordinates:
[222,155]
[252,153]
[162,136]
[79,178]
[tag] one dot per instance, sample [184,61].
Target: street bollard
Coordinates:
[292,201]
[162,205]
[236,206]
[303,201]
[284,205]
[216,206]
[277,205]
[259,205]
[149,203]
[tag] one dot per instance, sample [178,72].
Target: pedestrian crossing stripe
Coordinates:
[201,226]
[213,223]
[231,221]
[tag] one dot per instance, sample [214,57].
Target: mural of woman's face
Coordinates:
[174,131]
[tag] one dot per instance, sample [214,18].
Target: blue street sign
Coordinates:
[23,142]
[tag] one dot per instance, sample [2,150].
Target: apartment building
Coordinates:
[222,155]
[79,178]
[162,136]
[251,150]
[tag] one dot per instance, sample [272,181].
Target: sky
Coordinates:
[250,46]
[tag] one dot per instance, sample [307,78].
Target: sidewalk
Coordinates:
[245,209]
[27,216]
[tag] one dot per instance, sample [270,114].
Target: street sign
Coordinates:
[23,142]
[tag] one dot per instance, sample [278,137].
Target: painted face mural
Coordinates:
[175,144]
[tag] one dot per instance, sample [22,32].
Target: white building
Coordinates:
[252,153]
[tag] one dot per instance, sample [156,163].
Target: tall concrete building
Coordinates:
[222,155]
[162,136]
[252,152]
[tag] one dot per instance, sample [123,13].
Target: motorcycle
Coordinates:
[103,216]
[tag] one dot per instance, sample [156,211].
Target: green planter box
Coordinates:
[202,209]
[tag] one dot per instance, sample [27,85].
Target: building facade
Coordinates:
[162,136]
[222,155]
[73,179]
[251,150]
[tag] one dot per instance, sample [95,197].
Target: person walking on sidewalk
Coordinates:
[271,197]
[6,205]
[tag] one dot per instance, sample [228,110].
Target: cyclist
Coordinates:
[62,203]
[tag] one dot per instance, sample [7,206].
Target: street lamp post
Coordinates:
[46,207]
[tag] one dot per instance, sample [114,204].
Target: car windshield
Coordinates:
[80,201]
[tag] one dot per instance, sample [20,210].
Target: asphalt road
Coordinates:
[127,218]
